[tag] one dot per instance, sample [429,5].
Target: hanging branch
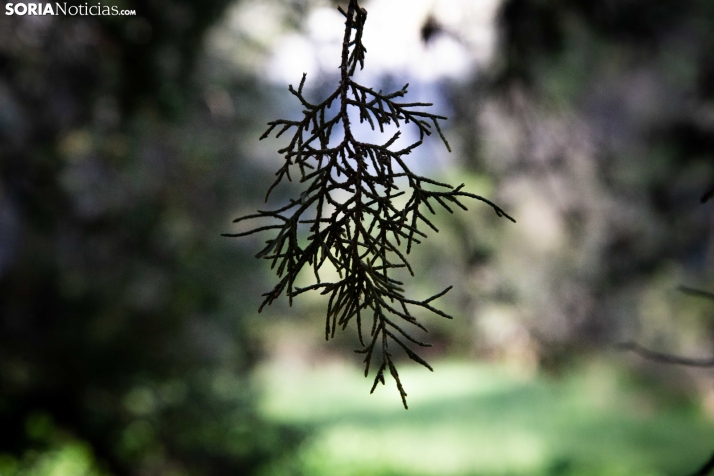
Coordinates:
[348,204]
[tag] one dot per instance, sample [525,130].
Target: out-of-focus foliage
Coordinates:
[596,122]
[122,338]
[124,343]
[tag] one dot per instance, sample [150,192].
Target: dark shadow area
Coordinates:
[121,309]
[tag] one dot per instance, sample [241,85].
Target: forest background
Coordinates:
[130,342]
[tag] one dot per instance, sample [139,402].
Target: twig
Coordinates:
[666,358]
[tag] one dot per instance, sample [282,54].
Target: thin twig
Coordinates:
[666,358]
[696,292]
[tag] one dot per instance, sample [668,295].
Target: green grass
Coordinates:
[469,419]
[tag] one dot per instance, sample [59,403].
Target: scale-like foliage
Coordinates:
[348,206]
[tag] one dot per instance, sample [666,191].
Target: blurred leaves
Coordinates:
[118,316]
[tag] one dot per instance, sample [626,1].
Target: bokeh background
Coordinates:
[130,342]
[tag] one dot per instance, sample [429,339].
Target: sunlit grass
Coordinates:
[469,419]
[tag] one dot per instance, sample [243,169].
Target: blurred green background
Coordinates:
[130,342]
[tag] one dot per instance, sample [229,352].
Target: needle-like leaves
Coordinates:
[365,236]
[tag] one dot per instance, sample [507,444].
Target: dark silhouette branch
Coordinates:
[348,203]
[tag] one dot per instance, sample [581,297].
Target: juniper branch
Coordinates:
[361,236]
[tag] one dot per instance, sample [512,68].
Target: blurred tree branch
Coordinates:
[706,469]
[666,358]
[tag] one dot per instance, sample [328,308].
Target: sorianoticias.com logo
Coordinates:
[58,8]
